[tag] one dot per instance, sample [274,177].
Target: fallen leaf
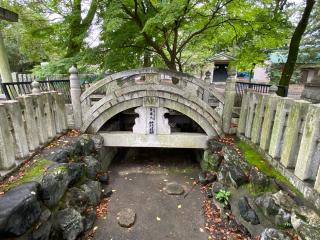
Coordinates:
[179,206]
[158,219]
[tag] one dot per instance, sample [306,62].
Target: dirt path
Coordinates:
[139,178]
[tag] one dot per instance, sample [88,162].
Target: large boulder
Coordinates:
[92,166]
[61,155]
[19,209]
[267,204]
[67,224]
[54,184]
[273,234]
[215,146]
[93,190]
[246,212]
[77,199]
[306,222]
[42,232]
[259,180]
[84,145]
[237,176]
[89,218]
[232,157]
[210,161]
[76,170]
[284,200]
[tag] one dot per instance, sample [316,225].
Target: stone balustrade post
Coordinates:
[258,118]
[75,92]
[243,113]
[26,103]
[279,125]
[308,157]
[7,154]
[270,110]
[229,98]
[35,87]
[252,103]
[49,113]
[207,80]
[38,103]
[20,138]
[291,141]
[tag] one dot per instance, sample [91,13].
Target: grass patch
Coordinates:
[31,173]
[256,159]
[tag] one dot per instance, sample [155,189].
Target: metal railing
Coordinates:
[257,87]
[13,90]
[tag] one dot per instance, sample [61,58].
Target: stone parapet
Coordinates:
[27,123]
[287,132]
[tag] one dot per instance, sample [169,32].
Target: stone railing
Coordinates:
[287,131]
[27,123]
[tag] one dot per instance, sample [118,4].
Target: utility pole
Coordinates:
[5,71]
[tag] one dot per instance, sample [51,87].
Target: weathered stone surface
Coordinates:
[19,209]
[97,140]
[93,166]
[42,232]
[54,184]
[89,218]
[284,200]
[233,158]
[237,176]
[67,224]
[84,145]
[259,180]
[174,188]
[273,234]
[210,161]
[306,223]
[126,217]
[76,170]
[217,186]
[215,146]
[77,199]
[246,212]
[106,192]
[61,155]
[93,191]
[267,204]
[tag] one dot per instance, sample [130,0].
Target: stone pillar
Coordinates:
[309,156]
[38,103]
[258,118]
[243,114]
[49,113]
[291,141]
[279,124]
[55,109]
[207,80]
[267,125]
[61,119]
[252,102]
[7,159]
[30,122]
[75,92]
[229,98]
[20,138]
[35,87]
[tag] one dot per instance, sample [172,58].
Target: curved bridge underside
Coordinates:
[151,88]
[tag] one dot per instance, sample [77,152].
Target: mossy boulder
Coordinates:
[210,161]
[54,184]
[92,167]
[19,209]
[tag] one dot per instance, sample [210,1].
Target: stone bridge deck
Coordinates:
[173,140]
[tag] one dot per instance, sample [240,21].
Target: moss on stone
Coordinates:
[33,172]
[254,158]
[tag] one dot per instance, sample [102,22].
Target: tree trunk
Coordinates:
[294,45]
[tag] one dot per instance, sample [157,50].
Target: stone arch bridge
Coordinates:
[151,97]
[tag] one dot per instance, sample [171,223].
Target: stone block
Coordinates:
[258,118]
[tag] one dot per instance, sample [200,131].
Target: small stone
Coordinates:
[126,217]
[267,204]
[209,193]
[174,188]
[273,234]
[92,167]
[202,178]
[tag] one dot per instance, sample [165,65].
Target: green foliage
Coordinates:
[223,196]
[183,34]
